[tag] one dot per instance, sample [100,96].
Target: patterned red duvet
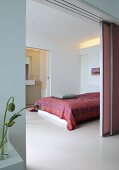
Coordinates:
[83,107]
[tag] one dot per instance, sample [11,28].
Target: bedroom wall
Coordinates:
[12,65]
[59,33]
[90,57]
[64,64]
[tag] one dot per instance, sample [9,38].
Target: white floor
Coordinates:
[50,146]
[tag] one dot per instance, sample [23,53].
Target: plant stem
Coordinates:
[3,141]
[23,109]
[3,132]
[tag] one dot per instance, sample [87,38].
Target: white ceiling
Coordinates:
[45,19]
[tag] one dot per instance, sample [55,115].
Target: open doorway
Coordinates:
[63,34]
[37,74]
[49,28]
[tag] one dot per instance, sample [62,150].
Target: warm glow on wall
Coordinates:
[90,43]
[32,49]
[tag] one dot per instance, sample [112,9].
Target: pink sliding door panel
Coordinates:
[115,94]
[106,78]
[110,37]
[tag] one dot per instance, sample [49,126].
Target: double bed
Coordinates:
[74,110]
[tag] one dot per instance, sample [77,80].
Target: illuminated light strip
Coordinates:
[33,49]
[90,43]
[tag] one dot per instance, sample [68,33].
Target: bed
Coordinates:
[74,110]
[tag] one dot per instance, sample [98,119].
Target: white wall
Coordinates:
[65,69]
[12,64]
[89,82]
[59,32]
[65,64]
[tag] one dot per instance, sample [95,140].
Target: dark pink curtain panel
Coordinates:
[106,78]
[115,106]
[110,79]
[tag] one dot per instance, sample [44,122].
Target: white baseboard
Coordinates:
[52,117]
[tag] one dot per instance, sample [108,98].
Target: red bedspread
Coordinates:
[83,107]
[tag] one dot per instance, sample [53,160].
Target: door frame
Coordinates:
[97,15]
[48,74]
[48,69]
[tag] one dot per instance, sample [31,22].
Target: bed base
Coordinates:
[46,114]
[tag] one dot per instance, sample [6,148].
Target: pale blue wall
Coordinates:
[116,10]
[109,6]
[12,64]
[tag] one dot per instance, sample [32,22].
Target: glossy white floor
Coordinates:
[50,146]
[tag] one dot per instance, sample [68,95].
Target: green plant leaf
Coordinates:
[9,124]
[14,117]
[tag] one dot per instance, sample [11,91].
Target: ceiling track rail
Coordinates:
[75,9]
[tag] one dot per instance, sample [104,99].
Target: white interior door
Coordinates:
[45,76]
[48,74]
